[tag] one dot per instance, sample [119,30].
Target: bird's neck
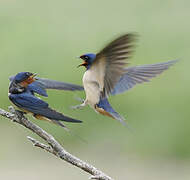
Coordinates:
[88,67]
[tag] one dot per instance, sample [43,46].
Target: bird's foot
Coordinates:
[79,99]
[20,114]
[77,106]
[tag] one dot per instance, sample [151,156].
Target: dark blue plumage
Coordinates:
[22,95]
[22,76]
[105,105]
[36,87]
[88,60]
[27,101]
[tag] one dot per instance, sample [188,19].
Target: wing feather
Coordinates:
[37,106]
[52,84]
[109,64]
[140,74]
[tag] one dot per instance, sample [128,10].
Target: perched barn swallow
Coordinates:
[106,74]
[22,95]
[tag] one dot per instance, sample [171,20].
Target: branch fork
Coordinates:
[53,146]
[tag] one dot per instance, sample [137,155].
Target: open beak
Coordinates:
[28,81]
[32,76]
[83,64]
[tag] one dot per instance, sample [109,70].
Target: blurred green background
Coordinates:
[46,36]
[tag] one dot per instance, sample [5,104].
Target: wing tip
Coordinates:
[68,119]
[172,62]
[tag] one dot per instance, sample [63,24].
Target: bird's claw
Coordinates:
[19,114]
[79,99]
[76,107]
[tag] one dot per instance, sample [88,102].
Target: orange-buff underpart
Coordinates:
[103,112]
[27,81]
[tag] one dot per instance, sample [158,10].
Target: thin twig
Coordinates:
[53,146]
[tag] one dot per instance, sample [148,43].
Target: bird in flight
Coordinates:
[106,74]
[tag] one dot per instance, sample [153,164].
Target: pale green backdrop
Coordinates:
[46,36]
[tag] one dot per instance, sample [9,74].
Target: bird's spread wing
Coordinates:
[37,106]
[41,84]
[109,63]
[38,88]
[52,84]
[140,74]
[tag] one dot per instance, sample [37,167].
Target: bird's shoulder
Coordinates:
[27,98]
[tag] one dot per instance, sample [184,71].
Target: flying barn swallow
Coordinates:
[106,74]
[22,95]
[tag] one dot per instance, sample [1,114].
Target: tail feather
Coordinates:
[60,124]
[54,115]
[105,108]
[68,130]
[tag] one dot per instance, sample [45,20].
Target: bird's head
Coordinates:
[24,78]
[88,60]
[21,81]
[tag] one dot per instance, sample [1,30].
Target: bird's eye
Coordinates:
[28,74]
[86,57]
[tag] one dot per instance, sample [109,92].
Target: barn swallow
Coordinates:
[106,74]
[23,97]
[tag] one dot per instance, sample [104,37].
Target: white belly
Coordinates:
[91,87]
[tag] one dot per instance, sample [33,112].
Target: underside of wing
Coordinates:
[37,87]
[52,84]
[110,62]
[140,74]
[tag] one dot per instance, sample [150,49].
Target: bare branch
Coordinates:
[54,147]
[41,145]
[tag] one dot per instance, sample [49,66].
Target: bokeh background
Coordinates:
[46,36]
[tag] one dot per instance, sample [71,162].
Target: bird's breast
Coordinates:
[89,76]
[91,87]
